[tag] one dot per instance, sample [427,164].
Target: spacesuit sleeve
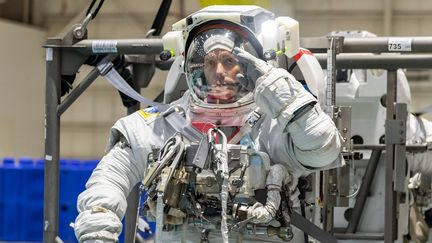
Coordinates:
[310,136]
[316,141]
[419,131]
[103,204]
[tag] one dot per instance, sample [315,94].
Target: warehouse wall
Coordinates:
[86,124]
[22,92]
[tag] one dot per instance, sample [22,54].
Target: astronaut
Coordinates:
[228,81]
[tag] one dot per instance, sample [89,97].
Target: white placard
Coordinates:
[399,44]
[49,54]
[104,46]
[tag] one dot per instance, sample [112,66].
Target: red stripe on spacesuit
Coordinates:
[300,54]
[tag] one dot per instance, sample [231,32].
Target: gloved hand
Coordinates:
[252,67]
[415,181]
[97,226]
[260,213]
[277,177]
[263,214]
[276,91]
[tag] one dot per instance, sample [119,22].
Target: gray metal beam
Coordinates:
[390,222]
[120,46]
[369,45]
[364,191]
[311,229]
[381,44]
[52,142]
[82,86]
[383,61]
[360,236]
[409,148]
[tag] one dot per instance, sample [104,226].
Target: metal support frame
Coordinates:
[57,50]
[396,113]
[52,142]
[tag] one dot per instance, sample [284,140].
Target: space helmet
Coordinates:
[206,39]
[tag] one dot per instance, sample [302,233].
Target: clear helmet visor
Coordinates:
[212,68]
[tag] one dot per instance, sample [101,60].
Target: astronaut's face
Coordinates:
[211,69]
[220,70]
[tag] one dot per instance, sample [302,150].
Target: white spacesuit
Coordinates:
[224,89]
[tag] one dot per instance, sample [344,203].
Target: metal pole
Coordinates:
[311,229]
[381,44]
[331,74]
[52,142]
[382,61]
[418,148]
[120,46]
[364,191]
[330,177]
[390,223]
[83,85]
[372,45]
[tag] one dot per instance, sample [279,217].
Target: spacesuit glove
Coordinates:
[263,214]
[260,214]
[277,177]
[415,181]
[98,225]
[252,68]
[276,92]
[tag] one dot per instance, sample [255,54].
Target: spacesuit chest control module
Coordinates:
[209,185]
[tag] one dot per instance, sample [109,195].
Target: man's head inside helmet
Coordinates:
[211,68]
